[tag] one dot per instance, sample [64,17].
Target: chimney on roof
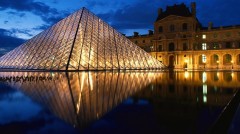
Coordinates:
[150,32]
[135,34]
[159,11]
[210,25]
[193,8]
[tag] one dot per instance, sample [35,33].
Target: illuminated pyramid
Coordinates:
[81,41]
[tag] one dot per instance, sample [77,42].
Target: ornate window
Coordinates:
[204,46]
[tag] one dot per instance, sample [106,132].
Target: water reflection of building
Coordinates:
[180,41]
[211,88]
[191,99]
[80,98]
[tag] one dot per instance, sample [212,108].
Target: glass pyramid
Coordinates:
[82,41]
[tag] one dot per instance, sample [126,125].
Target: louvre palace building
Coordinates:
[180,42]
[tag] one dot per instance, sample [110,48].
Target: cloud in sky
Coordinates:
[48,14]
[8,41]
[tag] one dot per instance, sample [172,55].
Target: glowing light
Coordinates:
[204,36]
[186,74]
[204,77]
[204,89]
[204,99]
[204,46]
[204,58]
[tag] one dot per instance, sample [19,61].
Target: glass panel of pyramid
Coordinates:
[82,41]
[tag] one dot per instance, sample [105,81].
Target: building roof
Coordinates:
[179,10]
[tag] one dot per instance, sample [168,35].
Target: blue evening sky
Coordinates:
[22,19]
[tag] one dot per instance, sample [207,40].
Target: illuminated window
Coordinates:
[204,58]
[204,46]
[204,36]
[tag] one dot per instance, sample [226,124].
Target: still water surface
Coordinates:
[115,102]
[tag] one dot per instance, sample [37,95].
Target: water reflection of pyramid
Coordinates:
[81,41]
[79,97]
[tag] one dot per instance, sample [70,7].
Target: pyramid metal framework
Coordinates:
[82,41]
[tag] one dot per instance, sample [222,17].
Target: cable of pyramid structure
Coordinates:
[81,41]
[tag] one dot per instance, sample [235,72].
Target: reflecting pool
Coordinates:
[116,102]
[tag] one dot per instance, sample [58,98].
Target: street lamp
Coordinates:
[232,64]
[217,64]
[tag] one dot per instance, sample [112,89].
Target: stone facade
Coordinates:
[179,41]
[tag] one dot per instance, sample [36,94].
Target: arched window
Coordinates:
[172,28]
[202,59]
[184,26]
[227,59]
[215,59]
[160,29]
